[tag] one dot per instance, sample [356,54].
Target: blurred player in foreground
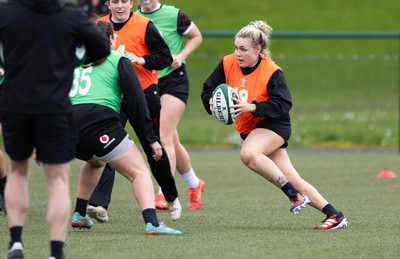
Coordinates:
[39,39]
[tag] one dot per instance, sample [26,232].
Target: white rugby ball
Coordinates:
[222,99]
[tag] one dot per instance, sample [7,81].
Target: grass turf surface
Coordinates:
[243,215]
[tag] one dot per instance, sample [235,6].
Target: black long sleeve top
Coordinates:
[39,39]
[279,104]
[134,99]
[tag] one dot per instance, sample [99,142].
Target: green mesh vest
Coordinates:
[166,21]
[98,84]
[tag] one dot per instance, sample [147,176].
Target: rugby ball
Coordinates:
[221,100]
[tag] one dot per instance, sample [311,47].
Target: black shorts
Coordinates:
[175,84]
[101,135]
[107,146]
[53,135]
[282,129]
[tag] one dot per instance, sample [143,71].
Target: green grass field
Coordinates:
[345,91]
[345,95]
[243,216]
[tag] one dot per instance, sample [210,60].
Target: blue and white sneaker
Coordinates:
[16,251]
[161,230]
[81,222]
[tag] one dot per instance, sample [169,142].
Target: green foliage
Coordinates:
[243,215]
[345,91]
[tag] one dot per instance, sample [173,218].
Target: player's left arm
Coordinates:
[194,38]
[134,99]
[280,100]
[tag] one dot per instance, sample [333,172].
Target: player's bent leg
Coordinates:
[253,155]
[259,153]
[282,160]
[334,219]
[132,165]
[89,176]
[172,109]
[101,195]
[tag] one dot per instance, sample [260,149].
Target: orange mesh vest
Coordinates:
[131,38]
[252,87]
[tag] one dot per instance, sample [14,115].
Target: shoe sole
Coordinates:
[162,208]
[16,254]
[154,233]
[297,209]
[79,225]
[342,224]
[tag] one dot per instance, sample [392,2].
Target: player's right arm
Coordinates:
[215,79]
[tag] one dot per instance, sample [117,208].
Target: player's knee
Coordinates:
[247,157]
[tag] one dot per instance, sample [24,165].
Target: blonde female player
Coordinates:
[263,118]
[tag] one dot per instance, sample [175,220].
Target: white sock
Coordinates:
[190,178]
[159,190]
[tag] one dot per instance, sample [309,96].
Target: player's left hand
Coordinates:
[177,61]
[135,59]
[241,107]
[212,107]
[157,150]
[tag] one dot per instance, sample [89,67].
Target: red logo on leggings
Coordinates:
[104,139]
